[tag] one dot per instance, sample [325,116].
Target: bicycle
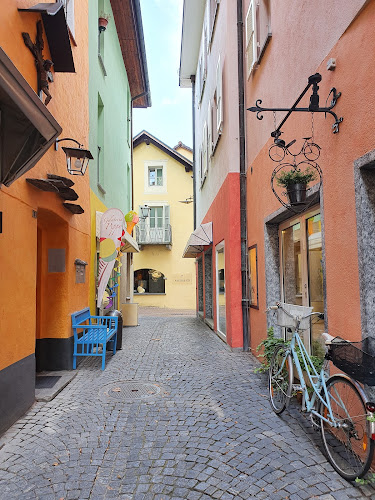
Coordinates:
[310,150]
[338,404]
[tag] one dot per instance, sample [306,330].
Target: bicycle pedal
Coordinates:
[315,421]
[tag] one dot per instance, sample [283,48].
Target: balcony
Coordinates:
[146,235]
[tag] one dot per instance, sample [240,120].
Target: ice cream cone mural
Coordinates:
[111,232]
[131,219]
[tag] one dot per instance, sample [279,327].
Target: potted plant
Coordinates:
[295,182]
[103,21]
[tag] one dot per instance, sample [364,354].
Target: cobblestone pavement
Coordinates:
[175,415]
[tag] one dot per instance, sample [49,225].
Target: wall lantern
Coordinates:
[145,212]
[77,159]
[103,21]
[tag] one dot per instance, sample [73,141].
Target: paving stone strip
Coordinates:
[175,415]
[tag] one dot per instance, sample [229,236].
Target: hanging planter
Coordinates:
[294,178]
[103,22]
[295,181]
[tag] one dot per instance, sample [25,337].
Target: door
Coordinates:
[220,288]
[302,271]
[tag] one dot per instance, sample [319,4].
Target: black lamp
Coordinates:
[77,159]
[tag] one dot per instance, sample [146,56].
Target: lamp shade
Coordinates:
[77,160]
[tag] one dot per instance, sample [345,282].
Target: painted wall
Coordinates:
[169,262]
[108,85]
[226,156]
[18,240]
[337,34]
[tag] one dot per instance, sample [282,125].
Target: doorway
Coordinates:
[301,265]
[220,289]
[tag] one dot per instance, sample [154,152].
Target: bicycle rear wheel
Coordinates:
[349,447]
[280,379]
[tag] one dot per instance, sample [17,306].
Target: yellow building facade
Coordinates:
[162,178]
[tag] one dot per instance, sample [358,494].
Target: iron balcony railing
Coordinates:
[154,235]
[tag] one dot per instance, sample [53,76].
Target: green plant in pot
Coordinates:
[295,182]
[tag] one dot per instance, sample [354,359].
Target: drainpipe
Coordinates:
[243,213]
[192,78]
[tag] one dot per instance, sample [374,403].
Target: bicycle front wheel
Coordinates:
[280,379]
[348,446]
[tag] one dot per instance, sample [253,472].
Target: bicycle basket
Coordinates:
[286,312]
[357,359]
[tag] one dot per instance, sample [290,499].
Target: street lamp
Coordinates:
[145,212]
[77,159]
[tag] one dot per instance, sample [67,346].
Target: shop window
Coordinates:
[220,288]
[208,284]
[149,281]
[253,275]
[302,271]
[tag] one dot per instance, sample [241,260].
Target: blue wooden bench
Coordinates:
[90,332]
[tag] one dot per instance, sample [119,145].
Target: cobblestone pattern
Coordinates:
[209,433]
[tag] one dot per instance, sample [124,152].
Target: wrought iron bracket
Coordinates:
[313,106]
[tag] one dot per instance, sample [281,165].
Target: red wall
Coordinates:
[224,214]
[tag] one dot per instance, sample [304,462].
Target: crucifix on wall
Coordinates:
[43,66]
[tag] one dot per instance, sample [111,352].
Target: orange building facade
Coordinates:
[40,238]
[322,257]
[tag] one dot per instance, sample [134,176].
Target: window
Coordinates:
[302,271]
[156,228]
[155,176]
[69,14]
[101,39]
[258,31]
[149,281]
[129,117]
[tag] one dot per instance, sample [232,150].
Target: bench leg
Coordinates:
[74,362]
[114,343]
[103,355]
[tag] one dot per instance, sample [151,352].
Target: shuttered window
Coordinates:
[219,97]
[251,40]
[258,31]
[209,134]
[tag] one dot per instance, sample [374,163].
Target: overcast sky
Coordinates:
[169,118]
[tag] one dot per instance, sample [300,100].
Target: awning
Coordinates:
[57,34]
[129,245]
[27,127]
[199,239]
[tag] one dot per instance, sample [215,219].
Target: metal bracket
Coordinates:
[313,106]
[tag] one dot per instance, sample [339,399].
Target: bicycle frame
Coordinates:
[318,384]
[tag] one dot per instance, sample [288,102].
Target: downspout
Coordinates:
[243,204]
[192,78]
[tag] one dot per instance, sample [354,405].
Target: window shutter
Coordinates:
[209,133]
[263,26]
[251,37]
[219,97]
[204,151]
[69,14]
[166,223]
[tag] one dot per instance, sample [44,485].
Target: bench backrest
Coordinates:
[80,316]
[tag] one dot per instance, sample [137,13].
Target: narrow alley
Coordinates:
[175,415]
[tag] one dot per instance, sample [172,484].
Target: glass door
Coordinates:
[302,271]
[220,288]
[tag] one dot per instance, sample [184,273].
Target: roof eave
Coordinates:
[192,23]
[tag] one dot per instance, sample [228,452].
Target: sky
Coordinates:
[169,118]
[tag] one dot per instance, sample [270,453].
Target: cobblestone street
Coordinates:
[175,415]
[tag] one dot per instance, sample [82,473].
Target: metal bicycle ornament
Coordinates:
[295,175]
